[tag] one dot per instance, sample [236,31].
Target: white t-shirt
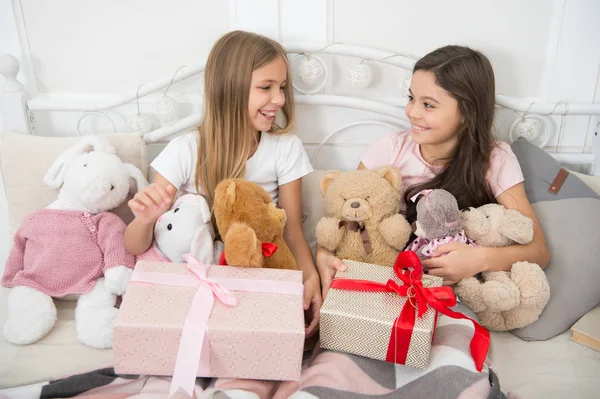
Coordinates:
[279,159]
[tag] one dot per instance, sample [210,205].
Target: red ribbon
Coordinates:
[439,298]
[268,249]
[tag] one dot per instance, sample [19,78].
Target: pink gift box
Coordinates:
[261,337]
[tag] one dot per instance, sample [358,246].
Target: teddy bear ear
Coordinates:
[392,175]
[516,227]
[328,178]
[230,194]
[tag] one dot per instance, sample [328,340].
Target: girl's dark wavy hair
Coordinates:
[467,75]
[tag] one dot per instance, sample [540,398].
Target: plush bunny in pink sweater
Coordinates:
[73,246]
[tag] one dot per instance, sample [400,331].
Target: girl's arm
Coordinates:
[462,261]
[290,199]
[147,205]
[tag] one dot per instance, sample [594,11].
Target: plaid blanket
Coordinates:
[326,374]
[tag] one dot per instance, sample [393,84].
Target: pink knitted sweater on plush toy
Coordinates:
[63,252]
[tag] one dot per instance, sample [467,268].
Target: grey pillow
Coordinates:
[539,170]
[572,230]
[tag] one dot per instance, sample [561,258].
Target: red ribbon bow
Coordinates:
[439,298]
[268,249]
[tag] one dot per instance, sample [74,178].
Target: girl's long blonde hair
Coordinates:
[226,135]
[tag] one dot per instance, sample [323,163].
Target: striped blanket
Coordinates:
[326,374]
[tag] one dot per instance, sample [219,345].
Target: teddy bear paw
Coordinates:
[328,233]
[31,315]
[499,297]
[396,231]
[532,282]
[242,247]
[469,293]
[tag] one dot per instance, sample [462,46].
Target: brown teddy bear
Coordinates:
[363,222]
[504,300]
[251,226]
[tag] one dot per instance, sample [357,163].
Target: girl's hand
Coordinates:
[327,264]
[312,303]
[458,262]
[151,202]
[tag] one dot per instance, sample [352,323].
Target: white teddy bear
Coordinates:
[73,246]
[185,228]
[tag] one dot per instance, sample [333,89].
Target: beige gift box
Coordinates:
[361,322]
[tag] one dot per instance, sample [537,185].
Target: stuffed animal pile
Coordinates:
[73,246]
[502,300]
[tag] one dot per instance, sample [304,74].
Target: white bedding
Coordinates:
[557,368]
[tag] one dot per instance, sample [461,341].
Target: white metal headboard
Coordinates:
[19,106]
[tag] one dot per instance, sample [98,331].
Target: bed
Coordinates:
[335,127]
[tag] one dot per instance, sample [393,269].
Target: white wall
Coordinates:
[540,49]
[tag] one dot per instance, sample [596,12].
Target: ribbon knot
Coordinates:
[200,270]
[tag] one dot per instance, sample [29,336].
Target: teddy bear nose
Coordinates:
[355,205]
[169,226]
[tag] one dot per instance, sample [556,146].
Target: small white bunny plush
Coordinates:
[73,248]
[185,228]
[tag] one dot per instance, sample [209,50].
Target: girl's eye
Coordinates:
[410,98]
[265,88]
[427,105]
[282,88]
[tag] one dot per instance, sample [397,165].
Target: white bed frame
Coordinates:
[19,108]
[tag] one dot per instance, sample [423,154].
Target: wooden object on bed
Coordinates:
[587,329]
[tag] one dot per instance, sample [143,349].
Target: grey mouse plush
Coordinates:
[438,222]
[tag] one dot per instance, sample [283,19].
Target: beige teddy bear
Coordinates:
[363,222]
[504,300]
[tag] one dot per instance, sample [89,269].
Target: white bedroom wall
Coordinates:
[540,49]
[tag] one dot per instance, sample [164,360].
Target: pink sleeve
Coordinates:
[380,153]
[505,170]
[111,240]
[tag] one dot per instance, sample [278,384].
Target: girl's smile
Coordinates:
[267,94]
